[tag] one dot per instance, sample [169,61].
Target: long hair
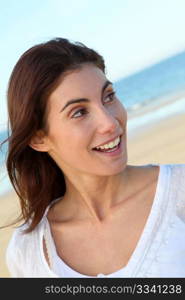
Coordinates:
[36,178]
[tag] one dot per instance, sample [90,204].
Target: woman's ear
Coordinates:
[39,142]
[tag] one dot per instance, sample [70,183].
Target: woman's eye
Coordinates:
[110,96]
[79,113]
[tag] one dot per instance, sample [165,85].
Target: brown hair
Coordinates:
[34,175]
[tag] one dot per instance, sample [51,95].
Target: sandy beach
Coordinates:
[163,142]
[9,210]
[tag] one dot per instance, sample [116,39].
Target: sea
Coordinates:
[149,87]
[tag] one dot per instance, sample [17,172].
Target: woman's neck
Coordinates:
[95,197]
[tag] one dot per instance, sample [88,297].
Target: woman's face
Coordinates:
[83,113]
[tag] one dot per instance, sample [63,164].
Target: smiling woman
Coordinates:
[85,211]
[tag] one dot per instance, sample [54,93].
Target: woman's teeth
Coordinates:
[109,146]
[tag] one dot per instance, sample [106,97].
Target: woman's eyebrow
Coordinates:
[78,100]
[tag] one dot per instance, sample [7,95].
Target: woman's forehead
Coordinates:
[87,79]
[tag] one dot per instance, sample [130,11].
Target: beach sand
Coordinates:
[9,210]
[163,142]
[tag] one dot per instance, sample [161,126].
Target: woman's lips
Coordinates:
[113,139]
[117,150]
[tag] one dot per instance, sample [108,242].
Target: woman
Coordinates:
[86,212]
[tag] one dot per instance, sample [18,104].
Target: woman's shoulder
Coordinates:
[172,173]
[178,179]
[171,188]
[21,246]
[177,169]
[175,188]
[176,175]
[20,239]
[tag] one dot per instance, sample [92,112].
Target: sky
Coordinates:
[130,34]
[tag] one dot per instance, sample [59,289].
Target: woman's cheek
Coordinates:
[119,110]
[122,111]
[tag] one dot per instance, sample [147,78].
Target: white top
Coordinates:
[160,251]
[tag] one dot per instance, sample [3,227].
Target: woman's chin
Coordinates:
[112,170]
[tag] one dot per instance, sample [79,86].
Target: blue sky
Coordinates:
[130,34]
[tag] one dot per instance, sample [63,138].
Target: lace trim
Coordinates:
[47,245]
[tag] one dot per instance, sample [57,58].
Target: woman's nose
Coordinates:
[107,122]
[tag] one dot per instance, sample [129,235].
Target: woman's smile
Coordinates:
[115,150]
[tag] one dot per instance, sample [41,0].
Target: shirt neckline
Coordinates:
[141,248]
